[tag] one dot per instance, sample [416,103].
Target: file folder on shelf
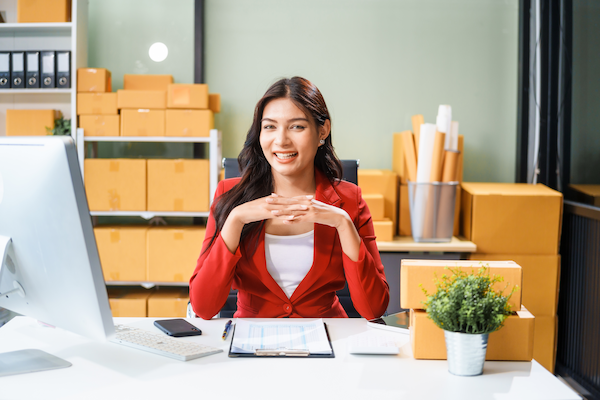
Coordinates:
[17,72]
[63,69]
[32,69]
[48,75]
[4,70]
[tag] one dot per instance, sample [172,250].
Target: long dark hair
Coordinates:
[257,180]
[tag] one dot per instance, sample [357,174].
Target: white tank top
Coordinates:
[289,258]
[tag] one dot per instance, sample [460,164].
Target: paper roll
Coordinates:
[444,120]
[417,121]
[449,169]
[420,227]
[452,138]
[410,156]
[437,157]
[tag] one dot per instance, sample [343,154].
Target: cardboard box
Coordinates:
[97,104]
[97,80]
[178,185]
[384,230]
[511,218]
[544,343]
[588,194]
[385,182]
[404,227]
[214,102]
[142,122]
[513,342]
[122,251]
[541,277]
[115,184]
[190,96]
[416,275]
[43,11]
[147,82]
[128,302]
[168,302]
[145,99]
[376,204]
[173,253]
[189,123]
[29,122]
[100,125]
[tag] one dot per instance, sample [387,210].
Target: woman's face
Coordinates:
[289,139]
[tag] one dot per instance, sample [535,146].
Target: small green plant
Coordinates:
[467,303]
[62,126]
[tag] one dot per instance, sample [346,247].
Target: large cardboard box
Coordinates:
[189,123]
[122,251]
[376,204]
[384,230]
[513,342]
[178,185]
[100,125]
[173,253]
[43,11]
[94,80]
[214,102]
[143,122]
[541,277]
[168,302]
[544,344]
[416,275]
[190,96]
[511,218]
[29,122]
[404,226]
[97,104]
[588,194]
[128,302]
[115,184]
[147,82]
[145,99]
[384,182]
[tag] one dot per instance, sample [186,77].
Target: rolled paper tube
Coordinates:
[417,121]
[419,217]
[450,165]
[452,139]
[410,156]
[437,156]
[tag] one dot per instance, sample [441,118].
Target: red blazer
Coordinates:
[260,296]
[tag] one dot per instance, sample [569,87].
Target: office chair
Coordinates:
[350,174]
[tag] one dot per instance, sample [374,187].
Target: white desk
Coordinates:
[103,370]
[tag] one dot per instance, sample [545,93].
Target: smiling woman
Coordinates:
[289,233]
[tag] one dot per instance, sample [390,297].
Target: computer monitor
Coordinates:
[49,264]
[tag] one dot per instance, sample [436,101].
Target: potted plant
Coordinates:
[62,126]
[468,309]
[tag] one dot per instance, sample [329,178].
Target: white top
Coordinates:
[289,258]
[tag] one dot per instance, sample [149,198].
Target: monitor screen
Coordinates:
[47,244]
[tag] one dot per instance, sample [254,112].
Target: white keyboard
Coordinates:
[373,343]
[161,344]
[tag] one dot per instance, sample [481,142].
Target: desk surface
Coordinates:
[407,243]
[104,370]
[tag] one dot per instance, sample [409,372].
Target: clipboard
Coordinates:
[281,353]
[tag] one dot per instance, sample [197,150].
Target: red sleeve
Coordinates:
[211,281]
[369,289]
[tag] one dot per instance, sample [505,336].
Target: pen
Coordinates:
[226,330]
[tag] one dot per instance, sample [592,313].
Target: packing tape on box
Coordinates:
[178,205]
[114,276]
[113,166]
[142,132]
[178,235]
[178,278]
[99,121]
[96,110]
[179,167]
[114,200]
[181,96]
[115,236]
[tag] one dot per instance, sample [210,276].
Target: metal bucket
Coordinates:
[466,352]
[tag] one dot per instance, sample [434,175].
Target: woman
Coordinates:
[289,232]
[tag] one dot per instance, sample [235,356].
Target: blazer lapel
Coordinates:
[260,262]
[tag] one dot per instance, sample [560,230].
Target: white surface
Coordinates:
[107,370]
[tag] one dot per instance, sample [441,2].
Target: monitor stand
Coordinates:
[29,360]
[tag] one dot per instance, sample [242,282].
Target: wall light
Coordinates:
[158,52]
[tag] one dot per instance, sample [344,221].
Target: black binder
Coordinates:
[4,69]
[17,72]
[32,69]
[48,74]
[63,69]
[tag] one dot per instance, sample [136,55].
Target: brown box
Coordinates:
[544,343]
[178,185]
[97,80]
[189,123]
[214,102]
[511,218]
[588,194]
[513,342]
[147,82]
[404,227]
[385,182]
[173,253]
[122,251]
[184,95]
[97,104]
[384,230]
[145,99]
[115,184]
[128,302]
[541,277]
[143,122]
[43,11]
[414,273]
[29,122]
[376,204]
[168,302]
[99,125]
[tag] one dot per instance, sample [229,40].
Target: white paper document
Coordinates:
[289,334]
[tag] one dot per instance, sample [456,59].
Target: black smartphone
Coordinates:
[177,327]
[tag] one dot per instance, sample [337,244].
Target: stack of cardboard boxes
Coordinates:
[157,303]
[379,192]
[522,223]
